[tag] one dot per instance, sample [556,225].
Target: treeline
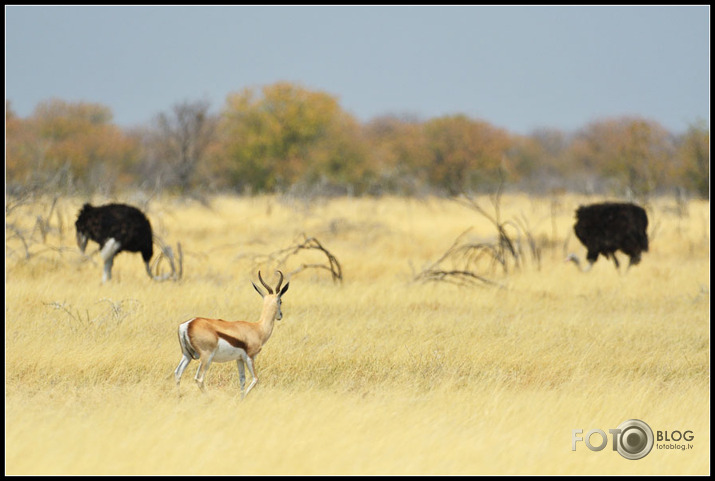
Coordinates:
[285,138]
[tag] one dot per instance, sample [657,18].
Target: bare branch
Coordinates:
[309,243]
[466,258]
[168,253]
[457,277]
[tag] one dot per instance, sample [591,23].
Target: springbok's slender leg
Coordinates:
[204,365]
[249,363]
[185,360]
[241,374]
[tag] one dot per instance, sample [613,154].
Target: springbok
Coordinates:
[216,340]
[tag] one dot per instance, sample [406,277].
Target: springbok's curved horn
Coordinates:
[270,291]
[280,281]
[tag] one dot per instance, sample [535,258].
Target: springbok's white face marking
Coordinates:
[216,340]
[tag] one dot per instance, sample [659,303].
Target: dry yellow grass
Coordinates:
[379,375]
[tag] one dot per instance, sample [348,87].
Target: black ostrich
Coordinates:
[610,226]
[116,228]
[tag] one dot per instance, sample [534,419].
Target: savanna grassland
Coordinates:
[379,374]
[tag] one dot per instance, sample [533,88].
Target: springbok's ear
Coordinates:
[285,288]
[258,290]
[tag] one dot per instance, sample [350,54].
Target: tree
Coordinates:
[398,154]
[694,155]
[179,143]
[636,154]
[71,145]
[463,153]
[287,135]
[21,149]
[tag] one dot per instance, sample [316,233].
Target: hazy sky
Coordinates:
[519,68]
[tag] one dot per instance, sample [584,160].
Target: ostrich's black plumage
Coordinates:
[610,226]
[116,228]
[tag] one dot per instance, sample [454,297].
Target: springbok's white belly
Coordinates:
[225,352]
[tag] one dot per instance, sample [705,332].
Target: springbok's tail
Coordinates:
[186,347]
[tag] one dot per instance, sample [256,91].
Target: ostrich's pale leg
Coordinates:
[109,250]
